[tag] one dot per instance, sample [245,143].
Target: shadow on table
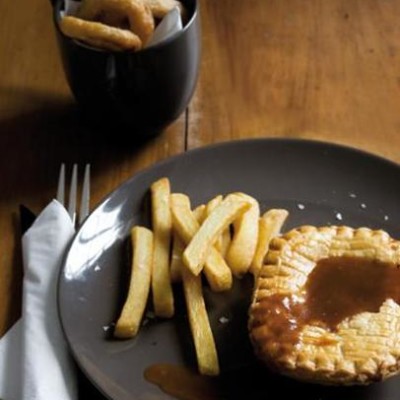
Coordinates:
[49,130]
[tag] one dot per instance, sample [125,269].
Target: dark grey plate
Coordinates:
[318,183]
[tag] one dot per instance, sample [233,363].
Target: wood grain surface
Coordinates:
[326,70]
[321,69]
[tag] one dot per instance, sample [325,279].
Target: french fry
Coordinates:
[223,242]
[217,272]
[178,247]
[197,250]
[206,352]
[214,202]
[270,225]
[243,245]
[176,258]
[200,213]
[211,205]
[163,299]
[128,323]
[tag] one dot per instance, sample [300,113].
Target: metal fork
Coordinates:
[73,189]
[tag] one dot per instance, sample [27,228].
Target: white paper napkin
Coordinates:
[168,26]
[35,363]
[10,363]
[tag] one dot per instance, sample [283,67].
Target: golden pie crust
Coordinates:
[365,347]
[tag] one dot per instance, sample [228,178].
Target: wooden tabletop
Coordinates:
[326,70]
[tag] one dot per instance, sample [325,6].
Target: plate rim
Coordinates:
[187,153]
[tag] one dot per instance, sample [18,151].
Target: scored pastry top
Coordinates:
[326,305]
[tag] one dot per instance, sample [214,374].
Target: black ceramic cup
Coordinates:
[138,93]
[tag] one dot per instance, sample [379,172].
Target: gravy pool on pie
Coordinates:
[326,305]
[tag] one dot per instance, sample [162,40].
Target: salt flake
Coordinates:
[223,320]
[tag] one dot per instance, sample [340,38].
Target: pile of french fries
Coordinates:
[224,238]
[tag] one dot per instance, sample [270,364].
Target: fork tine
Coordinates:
[72,194]
[61,185]
[85,200]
